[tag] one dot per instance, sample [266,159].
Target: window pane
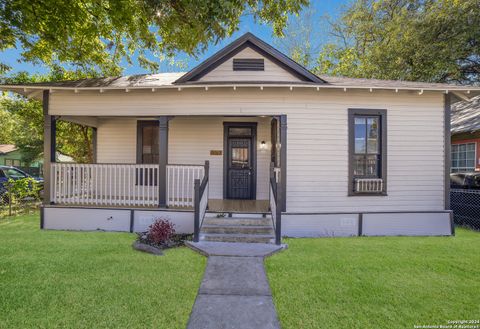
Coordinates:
[14,174]
[471,147]
[150,147]
[462,147]
[239,131]
[372,131]
[359,165]
[240,157]
[372,169]
[360,135]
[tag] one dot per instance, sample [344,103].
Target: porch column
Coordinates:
[162,160]
[94,144]
[283,159]
[49,146]
[447,148]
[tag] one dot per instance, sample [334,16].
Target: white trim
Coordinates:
[207,86]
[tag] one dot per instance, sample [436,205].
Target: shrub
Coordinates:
[160,232]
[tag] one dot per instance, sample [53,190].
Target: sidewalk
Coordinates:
[234,292]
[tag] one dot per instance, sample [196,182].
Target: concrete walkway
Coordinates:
[234,293]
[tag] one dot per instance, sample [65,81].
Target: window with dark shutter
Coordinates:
[248,64]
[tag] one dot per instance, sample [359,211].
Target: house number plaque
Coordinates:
[215,152]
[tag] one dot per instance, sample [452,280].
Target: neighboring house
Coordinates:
[350,156]
[466,135]
[10,155]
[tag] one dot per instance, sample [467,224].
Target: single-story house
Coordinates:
[10,155]
[466,135]
[249,132]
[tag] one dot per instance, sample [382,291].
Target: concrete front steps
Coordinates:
[246,228]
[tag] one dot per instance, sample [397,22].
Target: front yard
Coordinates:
[55,279]
[52,279]
[394,282]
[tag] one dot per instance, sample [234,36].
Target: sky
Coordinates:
[264,32]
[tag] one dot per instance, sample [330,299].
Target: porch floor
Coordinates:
[241,206]
[214,205]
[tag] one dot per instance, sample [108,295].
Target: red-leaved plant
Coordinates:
[160,232]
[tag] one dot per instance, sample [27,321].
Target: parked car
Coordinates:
[470,180]
[7,172]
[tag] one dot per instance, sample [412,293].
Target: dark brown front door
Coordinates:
[240,162]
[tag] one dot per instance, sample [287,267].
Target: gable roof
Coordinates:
[7,148]
[249,40]
[466,116]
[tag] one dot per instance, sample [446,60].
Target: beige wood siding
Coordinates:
[225,72]
[317,137]
[117,140]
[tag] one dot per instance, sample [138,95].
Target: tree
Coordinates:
[418,40]
[7,125]
[302,38]
[99,34]
[25,121]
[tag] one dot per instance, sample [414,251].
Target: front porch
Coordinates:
[184,168]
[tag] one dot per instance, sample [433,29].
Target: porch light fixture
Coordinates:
[263,145]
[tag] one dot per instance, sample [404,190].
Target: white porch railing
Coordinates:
[105,184]
[180,184]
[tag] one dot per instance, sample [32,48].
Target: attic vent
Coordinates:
[248,64]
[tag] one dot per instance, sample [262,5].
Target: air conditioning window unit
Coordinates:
[368,185]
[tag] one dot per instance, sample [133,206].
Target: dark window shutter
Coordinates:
[248,64]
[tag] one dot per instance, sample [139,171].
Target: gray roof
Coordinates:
[139,80]
[169,79]
[466,116]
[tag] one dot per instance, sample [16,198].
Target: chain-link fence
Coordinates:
[13,207]
[466,207]
[18,197]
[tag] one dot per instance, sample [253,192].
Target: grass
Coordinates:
[377,282]
[56,279]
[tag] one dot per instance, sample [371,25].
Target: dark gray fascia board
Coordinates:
[249,40]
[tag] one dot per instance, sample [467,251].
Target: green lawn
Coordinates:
[391,282]
[54,279]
